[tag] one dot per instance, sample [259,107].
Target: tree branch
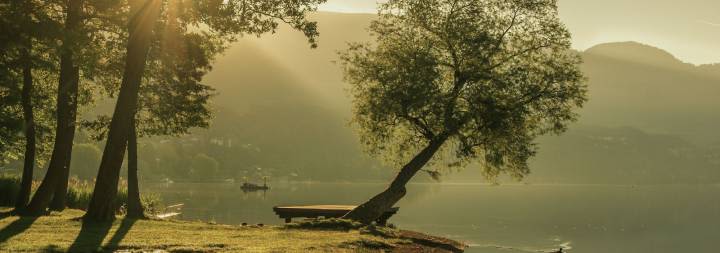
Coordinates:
[422,127]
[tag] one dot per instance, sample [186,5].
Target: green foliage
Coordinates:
[485,77]
[172,98]
[78,195]
[235,18]
[28,32]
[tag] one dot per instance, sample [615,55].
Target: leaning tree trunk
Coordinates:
[375,207]
[134,205]
[66,115]
[29,164]
[102,204]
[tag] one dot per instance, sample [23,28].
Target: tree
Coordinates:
[450,82]
[21,13]
[134,205]
[143,16]
[27,30]
[81,34]
[66,115]
[223,19]
[171,98]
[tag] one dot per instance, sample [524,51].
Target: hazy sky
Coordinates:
[689,29]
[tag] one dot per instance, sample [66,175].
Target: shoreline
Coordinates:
[64,232]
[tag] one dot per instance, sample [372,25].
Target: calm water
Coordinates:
[502,219]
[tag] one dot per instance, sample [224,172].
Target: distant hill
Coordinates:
[282,107]
[645,87]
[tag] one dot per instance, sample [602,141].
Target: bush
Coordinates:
[9,189]
[78,194]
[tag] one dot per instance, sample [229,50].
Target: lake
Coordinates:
[496,219]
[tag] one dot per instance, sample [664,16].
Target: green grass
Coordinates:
[61,232]
[78,195]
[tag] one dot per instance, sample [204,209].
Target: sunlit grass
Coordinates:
[62,232]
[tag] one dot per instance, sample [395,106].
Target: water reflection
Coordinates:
[514,218]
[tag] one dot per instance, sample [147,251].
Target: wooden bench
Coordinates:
[326,211]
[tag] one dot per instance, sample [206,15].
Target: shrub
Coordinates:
[9,189]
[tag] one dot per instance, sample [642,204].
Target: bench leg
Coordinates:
[288,220]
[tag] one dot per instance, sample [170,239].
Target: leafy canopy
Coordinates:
[486,77]
[28,34]
[187,38]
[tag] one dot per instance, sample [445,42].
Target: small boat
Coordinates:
[254,187]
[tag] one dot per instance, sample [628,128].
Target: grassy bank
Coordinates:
[78,195]
[61,232]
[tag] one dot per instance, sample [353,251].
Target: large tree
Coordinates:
[453,82]
[55,182]
[172,100]
[225,20]
[27,35]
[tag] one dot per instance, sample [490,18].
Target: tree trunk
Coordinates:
[374,208]
[66,115]
[59,197]
[102,204]
[29,164]
[134,205]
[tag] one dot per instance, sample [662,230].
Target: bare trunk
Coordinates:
[134,205]
[66,115]
[29,164]
[58,201]
[374,208]
[102,204]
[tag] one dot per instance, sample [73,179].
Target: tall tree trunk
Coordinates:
[134,205]
[66,115]
[29,164]
[102,205]
[59,197]
[375,207]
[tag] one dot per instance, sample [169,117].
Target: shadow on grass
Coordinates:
[120,233]
[4,215]
[16,227]
[90,237]
[52,249]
